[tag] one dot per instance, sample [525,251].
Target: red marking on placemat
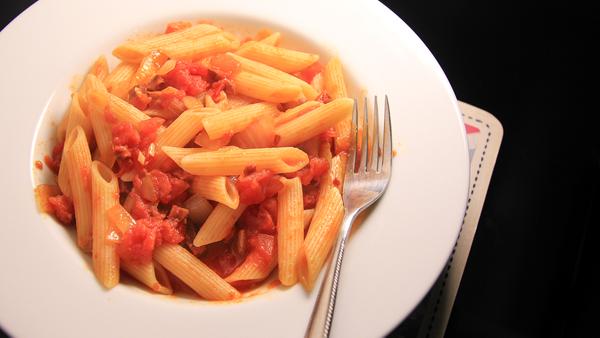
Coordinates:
[471,129]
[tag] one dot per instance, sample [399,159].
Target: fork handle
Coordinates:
[322,315]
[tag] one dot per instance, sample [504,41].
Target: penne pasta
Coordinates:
[320,238]
[152,274]
[326,180]
[97,100]
[317,83]
[181,131]
[313,123]
[333,79]
[233,161]
[334,84]
[259,134]
[272,39]
[269,72]
[117,82]
[78,161]
[235,101]
[135,51]
[338,170]
[105,195]
[61,129]
[218,224]
[191,102]
[199,208]
[76,117]
[235,120]
[194,273]
[287,60]
[148,68]
[200,48]
[297,111]
[99,68]
[290,229]
[204,141]
[215,149]
[124,111]
[177,154]
[307,217]
[262,88]
[254,268]
[217,188]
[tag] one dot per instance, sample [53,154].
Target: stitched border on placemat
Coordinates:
[449,264]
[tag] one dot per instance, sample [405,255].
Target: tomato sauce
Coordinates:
[256,186]
[132,146]
[61,207]
[309,195]
[316,168]
[192,78]
[139,241]
[53,161]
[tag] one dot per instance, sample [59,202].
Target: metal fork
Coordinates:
[365,182]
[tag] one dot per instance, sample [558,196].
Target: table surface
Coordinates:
[530,271]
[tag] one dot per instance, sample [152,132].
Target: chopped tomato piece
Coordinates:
[264,245]
[125,138]
[170,232]
[188,77]
[316,168]
[62,207]
[139,241]
[137,244]
[148,129]
[256,187]
[257,219]
[177,26]
[178,189]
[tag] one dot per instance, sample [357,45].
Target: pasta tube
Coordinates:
[194,273]
[233,160]
[313,123]
[290,229]
[78,161]
[105,195]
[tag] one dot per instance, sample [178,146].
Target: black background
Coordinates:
[531,269]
